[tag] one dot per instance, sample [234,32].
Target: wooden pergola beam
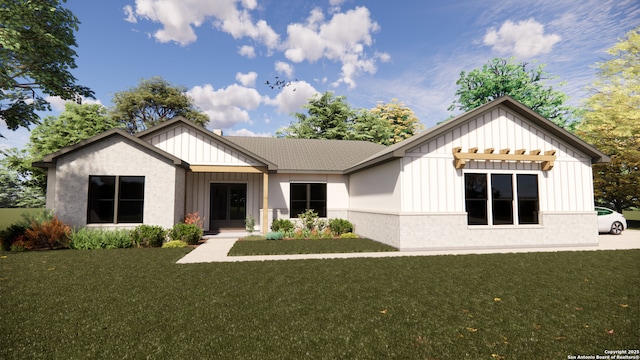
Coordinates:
[520,155]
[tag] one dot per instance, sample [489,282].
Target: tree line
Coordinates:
[32,65]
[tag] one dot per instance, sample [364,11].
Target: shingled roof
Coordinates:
[308,155]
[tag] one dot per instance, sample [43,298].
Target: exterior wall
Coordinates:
[450,231]
[432,184]
[193,147]
[113,156]
[377,188]
[418,201]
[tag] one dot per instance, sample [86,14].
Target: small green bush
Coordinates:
[283,225]
[348,235]
[274,235]
[189,233]
[148,236]
[91,239]
[309,219]
[340,226]
[174,244]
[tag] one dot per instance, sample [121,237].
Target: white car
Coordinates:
[610,221]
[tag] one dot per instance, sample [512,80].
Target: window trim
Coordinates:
[116,199]
[515,198]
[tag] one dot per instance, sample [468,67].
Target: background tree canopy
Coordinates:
[500,77]
[612,121]
[152,102]
[36,52]
[331,117]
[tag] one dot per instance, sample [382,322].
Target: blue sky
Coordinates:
[223,51]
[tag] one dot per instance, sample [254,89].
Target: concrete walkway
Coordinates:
[216,247]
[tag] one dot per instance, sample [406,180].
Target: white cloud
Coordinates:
[247,132]
[292,97]
[248,79]
[227,106]
[524,39]
[342,39]
[284,68]
[57,104]
[131,16]
[248,51]
[179,17]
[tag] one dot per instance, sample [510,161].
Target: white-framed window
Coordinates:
[513,200]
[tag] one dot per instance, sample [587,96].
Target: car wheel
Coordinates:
[616,228]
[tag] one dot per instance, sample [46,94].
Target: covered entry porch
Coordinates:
[224,196]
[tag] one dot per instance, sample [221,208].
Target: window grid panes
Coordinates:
[102,206]
[308,196]
[504,201]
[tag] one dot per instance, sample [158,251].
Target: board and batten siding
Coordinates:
[432,184]
[196,148]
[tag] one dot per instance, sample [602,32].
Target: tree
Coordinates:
[401,120]
[152,102]
[500,77]
[331,117]
[76,123]
[36,54]
[612,121]
[328,117]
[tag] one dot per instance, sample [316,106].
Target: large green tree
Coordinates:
[331,117]
[36,53]
[612,122]
[76,123]
[152,102]
[500,77]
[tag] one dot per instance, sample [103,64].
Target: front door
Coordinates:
[228,206]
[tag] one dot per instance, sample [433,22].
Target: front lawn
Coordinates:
[320,246]
[137,303]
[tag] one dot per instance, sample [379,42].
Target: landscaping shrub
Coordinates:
[274,235]
[89,239]
[12,234]
[282,225]
[149,235]
[53,234]
[194,218]
[188,233]
[174,244]
[349,235]
[35,217]
[340,226]
[309,219]
[250,224]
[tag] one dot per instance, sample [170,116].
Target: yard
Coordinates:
[137,303]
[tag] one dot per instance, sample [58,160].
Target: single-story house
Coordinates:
[497,176]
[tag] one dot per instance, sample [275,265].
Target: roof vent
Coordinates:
[217,132]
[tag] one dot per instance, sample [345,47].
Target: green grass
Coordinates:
[10,216]
[137,303]
[322,246]
[633,219]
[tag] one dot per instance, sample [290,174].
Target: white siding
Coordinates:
[196,149]
[431,184]
[377,189]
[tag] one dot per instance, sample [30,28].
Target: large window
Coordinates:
[115,199]
[497,207]
[308,196]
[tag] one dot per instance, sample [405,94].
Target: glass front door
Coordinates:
[228,206]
